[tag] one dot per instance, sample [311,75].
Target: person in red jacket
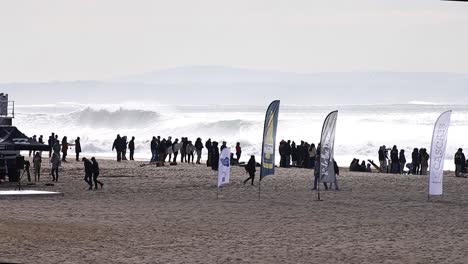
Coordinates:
[238,151]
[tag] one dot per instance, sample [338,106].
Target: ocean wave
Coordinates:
[121,118]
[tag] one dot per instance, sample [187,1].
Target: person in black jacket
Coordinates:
[88,166]
[416,161]
[77,148]
[209,149]
[402,160]
[118,147]
[131,147]
[251,169]
[154,150]
[214,156]
[459,162]
[198,149]
[162,152]
[394,159]
[175,150]
[123,147]
[96,174]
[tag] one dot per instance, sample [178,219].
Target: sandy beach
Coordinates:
[171,215]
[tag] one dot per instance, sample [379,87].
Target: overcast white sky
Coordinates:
[97,39]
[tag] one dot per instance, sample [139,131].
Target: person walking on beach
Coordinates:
[131,147]
[118,147]
[424,161]
[402,160]
[198,149]
[209,147]
[459,162]
[96,173]
[251,169]
[55,162]
[238,151]
[77,148]
[88,167]
[37,160]
[416,161]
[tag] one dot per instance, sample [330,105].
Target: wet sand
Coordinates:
[171,215]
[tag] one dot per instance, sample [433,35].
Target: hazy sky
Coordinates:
[96,39]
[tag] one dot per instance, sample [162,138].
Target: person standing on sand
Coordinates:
[251,169]
[189,150]
[215,156]
[154,150]
[183,150]
[459,162]
[424,161]
[88,167]
[198,149]
[64,149]
[209,147]
[117,146]
[312,153]
[337,173]
[317,170]
[416,161]
[238,151]
[77,148]
[55,162]
[162,152]
[131,147]
[96,174]
[402,160]
[394,160]
[51,142]
[37,160]
[123,147]
[383,159]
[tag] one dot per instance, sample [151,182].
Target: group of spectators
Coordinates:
[121,145]
[397,162]
[302,156]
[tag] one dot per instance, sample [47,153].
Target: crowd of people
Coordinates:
[397,162]
[301,156]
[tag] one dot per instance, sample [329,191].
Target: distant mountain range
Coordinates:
[202,85]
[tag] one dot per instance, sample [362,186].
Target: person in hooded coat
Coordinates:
[88,167]
[394,159]
[215,156]
[77,148]
[416,161]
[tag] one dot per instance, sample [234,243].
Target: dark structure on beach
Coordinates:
[12,142]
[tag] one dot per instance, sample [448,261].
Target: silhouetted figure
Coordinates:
[294,155]
[287,154]
[123,147]
[64,149]
[337,173]
[162,152]
[383,159]
[169,149]
[459,162]
[77,148]
[154,150]
[238,151]
[281,149]
[215,156]
[51,142]
[394,159]
[55,162]
[88,168]
[402,160]
[251,169]
[96,174]
[131,147]
[416,161]
[118,147]
[223,146]
[209,149]
[198,149]
[189,150]
[424,161]
[37,160]
[312,153]
[35,140]
[176,148]
[183,150]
